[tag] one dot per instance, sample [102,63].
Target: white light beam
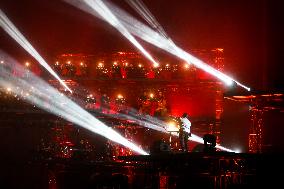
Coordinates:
[107,15]
[11,29]
[145,13]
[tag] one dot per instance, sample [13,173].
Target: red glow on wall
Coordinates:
[194,102]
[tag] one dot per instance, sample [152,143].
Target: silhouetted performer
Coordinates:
[104,103]
[144,104]
[161,109]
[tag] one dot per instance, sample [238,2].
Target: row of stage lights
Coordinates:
[102,65]
[26,64]
[139,65]
[90,98]
[115,64]
[70,63]
[120,96]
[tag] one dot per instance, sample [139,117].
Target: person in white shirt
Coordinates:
[184,131]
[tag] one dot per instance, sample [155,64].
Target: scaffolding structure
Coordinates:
[259,103]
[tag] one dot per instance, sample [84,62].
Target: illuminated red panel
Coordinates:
[196,102]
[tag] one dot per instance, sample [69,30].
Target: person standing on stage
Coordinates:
[161,109]
[184,131]
[105,107]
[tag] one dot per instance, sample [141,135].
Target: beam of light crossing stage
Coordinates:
[155,124]
[142,31]
[149,122]
[11,29]
[100,8]
[145,13]
[41,94]
[140,121]
[158,125]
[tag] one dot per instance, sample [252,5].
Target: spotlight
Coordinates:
[172,127]
[100,65]
[156,65]
[27,64]
[220,49]
[151,95]
[119,96]
[237,151]
[2,62]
